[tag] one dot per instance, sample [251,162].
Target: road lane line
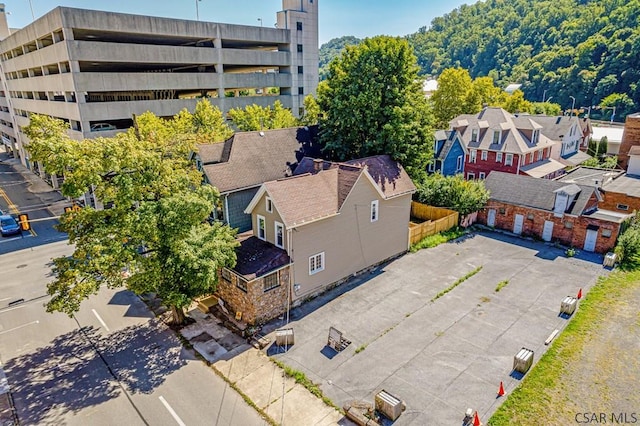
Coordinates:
[19,327]
[13,208]
[100,319]
[171,411]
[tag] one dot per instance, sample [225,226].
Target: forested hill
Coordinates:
[589,49]
[332,49]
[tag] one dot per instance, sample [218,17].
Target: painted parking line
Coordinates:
[100,319]
[19,327]
[171,411]
[13,208]
[7,240]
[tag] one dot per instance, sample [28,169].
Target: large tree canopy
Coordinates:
[154,236]
[372,103]
[254,117]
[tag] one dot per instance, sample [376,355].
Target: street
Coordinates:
[113,362]
[19,195]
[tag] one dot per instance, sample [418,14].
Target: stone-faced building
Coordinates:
[551,210]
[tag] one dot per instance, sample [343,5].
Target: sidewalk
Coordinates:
[251,371]
[50,197]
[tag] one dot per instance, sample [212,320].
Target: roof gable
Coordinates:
[250,158]
[537,193]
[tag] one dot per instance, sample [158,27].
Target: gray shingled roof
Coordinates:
[252,158]
[531,192]
[510,126]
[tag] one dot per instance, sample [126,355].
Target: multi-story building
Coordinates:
[96,70]
[497,140]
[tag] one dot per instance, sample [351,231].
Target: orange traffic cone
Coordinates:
[580,294]
[501,390]
[476,420]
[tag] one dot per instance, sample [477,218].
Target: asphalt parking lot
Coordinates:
[446,355]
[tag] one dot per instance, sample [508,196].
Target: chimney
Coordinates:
[317,164]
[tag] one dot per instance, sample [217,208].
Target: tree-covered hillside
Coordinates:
[588,49]
[332,49]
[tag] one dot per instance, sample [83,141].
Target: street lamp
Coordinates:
[197,11]
[573,104]
[260,19]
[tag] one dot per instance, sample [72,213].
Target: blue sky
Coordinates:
[337,17]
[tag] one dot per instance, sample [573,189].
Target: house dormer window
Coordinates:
[496,136]
[474,135]
[540,154]
[536,136]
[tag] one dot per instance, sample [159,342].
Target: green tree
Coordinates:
[254,117]
[154,237]
[484,92]
[207,124]
[372,103]
[517,103]
[331,50]
[622,102]
[311,111]
[454,96]
[546,108]
[453,192]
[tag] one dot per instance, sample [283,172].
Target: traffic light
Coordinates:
[67,209]
[24,222]
[76,208]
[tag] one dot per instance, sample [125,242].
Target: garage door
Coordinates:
[547,231]
[517,224]
[590,240]
[491,218]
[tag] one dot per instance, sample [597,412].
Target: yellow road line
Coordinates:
[13,208]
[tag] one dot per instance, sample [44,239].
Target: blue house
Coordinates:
[449,153]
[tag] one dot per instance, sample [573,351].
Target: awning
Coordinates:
[543,168]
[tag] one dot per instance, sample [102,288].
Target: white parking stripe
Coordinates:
[19,327]
[171,411]
[100,319]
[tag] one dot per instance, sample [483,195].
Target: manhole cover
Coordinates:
[24,265]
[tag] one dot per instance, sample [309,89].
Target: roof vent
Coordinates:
[317,164]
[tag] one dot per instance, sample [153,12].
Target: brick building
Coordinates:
[497,140]
[552,211]
[630,138]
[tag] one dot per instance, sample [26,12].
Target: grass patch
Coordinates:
[361,348]
[302,379]
[502,284]
[534,398]
[457,283]
[437,239]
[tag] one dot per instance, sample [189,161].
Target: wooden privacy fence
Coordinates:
[436,220]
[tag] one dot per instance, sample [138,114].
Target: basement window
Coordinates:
[270,282]
[622,207]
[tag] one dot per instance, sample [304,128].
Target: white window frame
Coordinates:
[472,156]
[375,211]
[459,163]
[471,176]
[268,204]
[474,135]
[498,157]
[482,175]
[276,226]
[508,159]
[314,261]
[496,137]
[540,154]
[263,230]
[484,155]
[431,167]
[536,136]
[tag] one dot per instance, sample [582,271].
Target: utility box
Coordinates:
[523,360]
[284,337]
[390,406]
[609,260]
[568,305]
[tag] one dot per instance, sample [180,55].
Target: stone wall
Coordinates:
[568,230]
[257,306]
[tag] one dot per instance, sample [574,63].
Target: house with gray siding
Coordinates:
[238,166]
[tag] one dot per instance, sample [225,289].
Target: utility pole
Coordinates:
[197,11]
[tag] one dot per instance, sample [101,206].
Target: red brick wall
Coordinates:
[612,199]
[533,224]
[489,165]
[630,137]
